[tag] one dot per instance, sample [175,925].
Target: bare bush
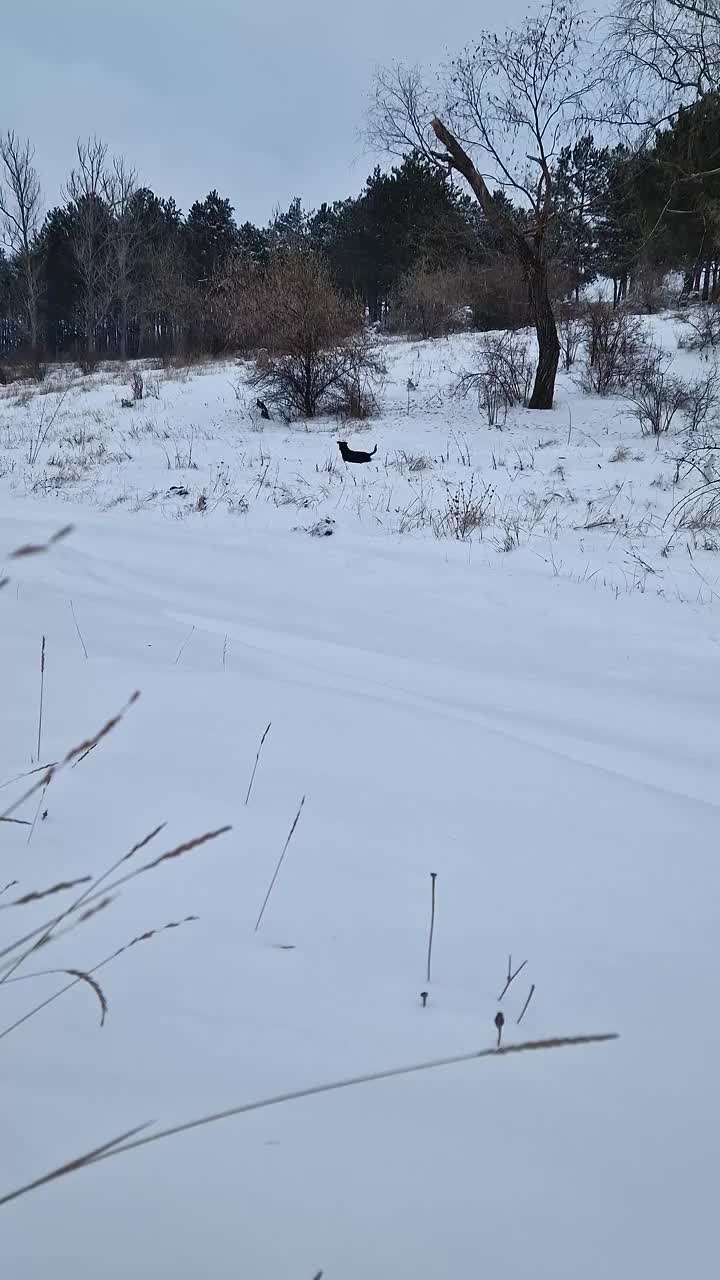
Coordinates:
[649,293]
[467,508]
[88,362]
[570,333]
[355,396]
[316,351]
[701,401]
[498,295]
[657,396]
[617,347]
[137,386]
[700,456]
[703,325]
[429,302]
[502,377]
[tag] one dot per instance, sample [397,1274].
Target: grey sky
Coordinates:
[263,101]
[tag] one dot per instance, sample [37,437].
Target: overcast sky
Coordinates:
[263,101]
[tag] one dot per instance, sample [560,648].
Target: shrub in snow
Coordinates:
[616,348]
[703,329]
[428,302]
[502,377]
[316,353]
[659,397]
[466,509]
[570,333]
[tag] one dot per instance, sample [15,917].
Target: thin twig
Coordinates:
[433,878]
[84,755]
[182,646]
[257,758]
[33,824]
[131,1143]
[77,628]
[225,645]
[511,976]
[42,694]
[39,768]
[524,1008]
[280,862]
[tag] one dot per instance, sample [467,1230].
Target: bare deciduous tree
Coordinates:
[662,54]
[20,208]
[169,298]
[512,101]
[125,242]
[91,238]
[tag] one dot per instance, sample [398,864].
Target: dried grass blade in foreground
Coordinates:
[78,975]
[72,1165]
[36,549]
[72,754]
[37,894]
[87,896]
[83,975]
[257,761]
[271,886]
[39,548]
[131,1143]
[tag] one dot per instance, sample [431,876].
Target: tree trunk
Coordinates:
[529,252]
[547,338]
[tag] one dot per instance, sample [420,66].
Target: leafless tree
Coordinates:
[511,101]
[168,298]
[119,186]
[315,354]
[20,209]
[661,54]
[91,237]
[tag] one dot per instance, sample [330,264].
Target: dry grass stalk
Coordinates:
[184,643]
[37,894]
[83,975]
[511,976]
[257,758]
[72,1165]
[131,1142]
[46,931]
[280,862]
[42,695]
[39,768]
[77,628]
[71,755]
[35,549]
[80,976]
[39,548]
[524,1009]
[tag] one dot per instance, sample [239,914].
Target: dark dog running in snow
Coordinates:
[354,455]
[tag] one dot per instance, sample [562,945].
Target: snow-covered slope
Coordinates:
[537,727]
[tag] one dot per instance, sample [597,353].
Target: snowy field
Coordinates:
[530,712]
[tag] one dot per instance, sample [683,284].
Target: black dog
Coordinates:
[264,411]
[354,455]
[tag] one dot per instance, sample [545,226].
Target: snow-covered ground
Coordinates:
[530,713]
